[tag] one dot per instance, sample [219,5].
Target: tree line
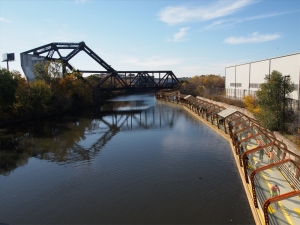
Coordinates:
[52,91]
[269,105]
[55,91]
[204,85]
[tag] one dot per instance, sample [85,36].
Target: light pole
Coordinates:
[8,57]
[283,111]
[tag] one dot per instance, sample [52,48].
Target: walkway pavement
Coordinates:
[288,211]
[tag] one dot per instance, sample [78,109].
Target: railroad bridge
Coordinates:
[112,79]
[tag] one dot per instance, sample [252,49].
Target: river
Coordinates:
[140,161]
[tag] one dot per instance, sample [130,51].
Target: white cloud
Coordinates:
[4,20]
[150,62]
[173,15]
[252,38]
[219,24]
[179,36]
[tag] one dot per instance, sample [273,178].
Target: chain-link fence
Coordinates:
[238,94]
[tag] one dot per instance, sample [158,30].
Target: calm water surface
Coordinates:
[148,163]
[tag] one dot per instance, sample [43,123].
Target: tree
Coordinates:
[271,100]
[21,94]
[8,86]
[204,85]
[41,73]
[40,98]
[251,104]
[49,71]
[94,79]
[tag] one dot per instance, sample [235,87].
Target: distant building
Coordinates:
[244,79]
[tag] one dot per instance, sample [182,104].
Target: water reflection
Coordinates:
[74,137]
[129,167]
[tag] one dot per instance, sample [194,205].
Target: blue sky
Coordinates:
[188,37]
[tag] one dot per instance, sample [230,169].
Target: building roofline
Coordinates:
[264,60]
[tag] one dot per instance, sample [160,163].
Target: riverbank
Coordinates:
[258,217]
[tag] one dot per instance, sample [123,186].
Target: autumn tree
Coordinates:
[49,72]
[271,100]
[251,104]
[8,87]
[39,98]
[21,94]
[203,85]
[94,79]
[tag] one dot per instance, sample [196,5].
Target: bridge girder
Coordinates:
[112,78]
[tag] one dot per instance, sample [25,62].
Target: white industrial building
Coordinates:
[244,79]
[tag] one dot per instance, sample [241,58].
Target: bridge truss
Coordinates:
[112,79]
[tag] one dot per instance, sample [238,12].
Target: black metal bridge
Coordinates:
[112,79]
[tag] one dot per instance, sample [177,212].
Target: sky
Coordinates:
[188,37]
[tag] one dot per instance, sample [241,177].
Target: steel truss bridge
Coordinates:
[112,79]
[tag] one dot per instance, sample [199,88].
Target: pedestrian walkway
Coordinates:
[288,210]
[246,134]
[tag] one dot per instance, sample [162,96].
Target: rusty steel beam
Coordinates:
[248,138]
[244,129]
[273,138]
[240,115]
[214,114]
[225,129]
[252,174]
[276,199]
[202,108]
[255,124]
[252,136]
[237,144]
[275,141]
[250,152]
[235,118]
[237,124]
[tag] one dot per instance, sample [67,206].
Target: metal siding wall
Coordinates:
[288,65]
[242,76]
[230,76]
[258,72]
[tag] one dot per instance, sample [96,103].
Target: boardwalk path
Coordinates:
[288,210]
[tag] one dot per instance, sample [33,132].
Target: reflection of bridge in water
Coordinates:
[108,126]
[77,139]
